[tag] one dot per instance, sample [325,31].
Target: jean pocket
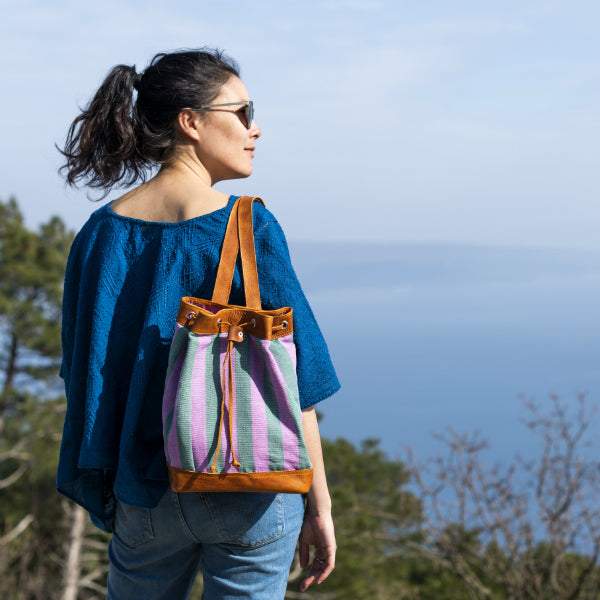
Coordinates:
[247,518]
[133,525]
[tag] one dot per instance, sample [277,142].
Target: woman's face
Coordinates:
[226,145]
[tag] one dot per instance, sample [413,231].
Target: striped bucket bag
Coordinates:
[231,410]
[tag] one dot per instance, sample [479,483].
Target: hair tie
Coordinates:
[137,77]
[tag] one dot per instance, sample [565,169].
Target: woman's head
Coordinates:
[116,139]
[221,135]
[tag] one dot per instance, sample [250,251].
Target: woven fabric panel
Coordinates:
[266,431]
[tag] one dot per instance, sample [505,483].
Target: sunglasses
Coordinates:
[245,112]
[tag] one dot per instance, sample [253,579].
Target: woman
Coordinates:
[128,268]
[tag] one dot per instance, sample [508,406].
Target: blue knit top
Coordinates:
[123,284]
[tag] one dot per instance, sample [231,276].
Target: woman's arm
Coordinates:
[317,529]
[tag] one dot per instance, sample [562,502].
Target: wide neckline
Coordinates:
[112,213]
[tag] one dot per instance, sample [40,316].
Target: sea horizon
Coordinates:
[430,336]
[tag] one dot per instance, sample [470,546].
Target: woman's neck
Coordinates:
[180,191]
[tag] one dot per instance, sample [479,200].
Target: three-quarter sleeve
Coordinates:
[279,286]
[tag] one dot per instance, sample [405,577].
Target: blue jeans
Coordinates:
[245,543]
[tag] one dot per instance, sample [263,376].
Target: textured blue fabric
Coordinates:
[123,284]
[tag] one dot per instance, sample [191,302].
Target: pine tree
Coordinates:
[32,266]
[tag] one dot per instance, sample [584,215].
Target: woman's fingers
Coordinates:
[304,555]
[319,571]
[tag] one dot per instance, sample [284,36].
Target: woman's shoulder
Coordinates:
[89,230]
[265,220]
[106,228]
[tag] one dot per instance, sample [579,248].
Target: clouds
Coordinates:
[445,121]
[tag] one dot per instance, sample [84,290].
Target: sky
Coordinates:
[383,120]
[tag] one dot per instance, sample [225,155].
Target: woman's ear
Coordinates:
[188,124]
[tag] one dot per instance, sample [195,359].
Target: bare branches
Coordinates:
[16,531]
[72,571]
[84,562]
[13,477]
[530,528]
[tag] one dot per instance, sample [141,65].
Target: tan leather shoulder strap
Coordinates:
[229,253]
[239,235]
[248,252]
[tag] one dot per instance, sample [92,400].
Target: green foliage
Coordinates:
[30,566]
[378,523]
[374,517]
[32,266]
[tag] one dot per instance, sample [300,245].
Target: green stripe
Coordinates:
[166,431]
[275,439]
[179,341]
[291,383]
[184,394]
[213,400]
[243,408]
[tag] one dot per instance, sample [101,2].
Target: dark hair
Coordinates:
[115,141]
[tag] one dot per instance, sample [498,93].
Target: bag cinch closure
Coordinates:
[235,335]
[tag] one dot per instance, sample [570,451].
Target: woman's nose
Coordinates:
[255,131]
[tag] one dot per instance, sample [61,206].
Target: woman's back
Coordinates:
[123,285]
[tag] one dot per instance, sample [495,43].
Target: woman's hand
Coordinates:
[317,530]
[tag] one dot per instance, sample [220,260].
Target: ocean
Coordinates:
[430,336]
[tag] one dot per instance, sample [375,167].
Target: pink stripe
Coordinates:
[198,406]
[288,426]
[260,434]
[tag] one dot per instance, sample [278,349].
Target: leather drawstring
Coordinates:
[228,362]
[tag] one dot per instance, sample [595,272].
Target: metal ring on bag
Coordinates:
[191,315]
[284,324]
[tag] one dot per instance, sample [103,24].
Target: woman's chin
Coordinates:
[238,174]
[243,173]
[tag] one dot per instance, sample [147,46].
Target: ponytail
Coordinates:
[101,142]
[114,141]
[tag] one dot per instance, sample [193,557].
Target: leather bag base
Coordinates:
[289,482]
